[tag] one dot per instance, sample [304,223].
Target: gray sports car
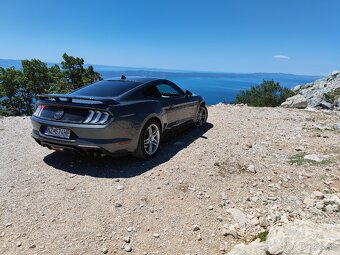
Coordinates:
[115,116]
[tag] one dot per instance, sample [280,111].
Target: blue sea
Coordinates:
[215,90]
[214,87]
[219,87]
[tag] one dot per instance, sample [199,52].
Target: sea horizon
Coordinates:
[215,87]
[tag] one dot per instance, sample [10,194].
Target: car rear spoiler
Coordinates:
[69,98]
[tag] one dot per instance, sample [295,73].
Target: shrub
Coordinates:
[332,96]
[268,93]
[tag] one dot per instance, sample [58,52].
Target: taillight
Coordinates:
[39,110]
[96,117]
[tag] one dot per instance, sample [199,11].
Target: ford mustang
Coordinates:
[115,116]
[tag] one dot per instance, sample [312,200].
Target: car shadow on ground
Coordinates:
[128,166]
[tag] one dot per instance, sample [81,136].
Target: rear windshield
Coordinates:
[106,88]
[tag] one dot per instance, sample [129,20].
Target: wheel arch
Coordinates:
[156,119]
[203,103]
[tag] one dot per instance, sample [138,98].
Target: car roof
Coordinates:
[134,79]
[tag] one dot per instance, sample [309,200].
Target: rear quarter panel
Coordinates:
[131,116]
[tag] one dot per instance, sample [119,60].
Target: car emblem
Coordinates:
[59,114]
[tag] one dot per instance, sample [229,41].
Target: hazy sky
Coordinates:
[300,36]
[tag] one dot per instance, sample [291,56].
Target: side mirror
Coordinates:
[188,93]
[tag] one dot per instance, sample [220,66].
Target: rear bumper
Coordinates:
[112,138]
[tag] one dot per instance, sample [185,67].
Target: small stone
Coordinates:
[300,148]
[264,222]
[2,234]
[118,204]
[127,248]
[251,168]
[8,224]
[230,230]
[211,208]
[314,157]
[126,239]
[308,201]
[320,205]
[275,250]
[105,250]
[32,246]
[332,208]
[199,237]
[331,200]
[155,235]
[255,221]
[249,145]
[196,228]
[254,199]
[18,244]
[337,125]
[318,195]
[272,198]
[284,219]
[129,229]
[120,187]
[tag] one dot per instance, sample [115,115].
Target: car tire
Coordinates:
[147,139]
[202,116]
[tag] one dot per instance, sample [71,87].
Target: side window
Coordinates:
[152,92]
[168,91]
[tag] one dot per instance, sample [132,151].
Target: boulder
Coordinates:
[299,237]
[254,248]
[297,101]
[325,105]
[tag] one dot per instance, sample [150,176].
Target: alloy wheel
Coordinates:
[151,139]
[202,115]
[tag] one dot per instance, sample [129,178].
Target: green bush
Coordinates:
[268,93]
[332,96]
[262,236]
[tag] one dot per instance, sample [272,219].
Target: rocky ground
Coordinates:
[247,170]
[322,94]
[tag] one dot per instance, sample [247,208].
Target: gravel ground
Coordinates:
[206,190]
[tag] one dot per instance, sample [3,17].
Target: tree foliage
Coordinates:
[267,94]
[76,75]
[19,88]
[10,81]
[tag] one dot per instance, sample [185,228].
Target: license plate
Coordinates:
[58,132]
